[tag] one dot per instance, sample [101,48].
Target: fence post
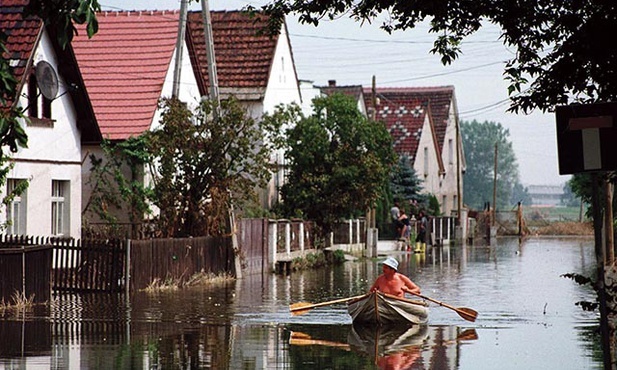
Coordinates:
[127,270]
[272,238]
[301,236]
[288,238]
[350,240]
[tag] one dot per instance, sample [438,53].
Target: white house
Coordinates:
[127,67]
[257,68]
[60,122]
[423,123]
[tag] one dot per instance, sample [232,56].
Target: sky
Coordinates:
[352,54]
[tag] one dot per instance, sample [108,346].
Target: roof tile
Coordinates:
[243,53]
[403,109]
[124,67]
[22,35]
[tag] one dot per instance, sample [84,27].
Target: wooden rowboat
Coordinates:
[380,308]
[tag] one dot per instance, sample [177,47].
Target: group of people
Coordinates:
[402,224]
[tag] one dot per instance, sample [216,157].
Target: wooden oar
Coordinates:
[464,312]
[303,339]
[300,308]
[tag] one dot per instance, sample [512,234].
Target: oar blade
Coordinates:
[467,313]
[300,308]
[469,334]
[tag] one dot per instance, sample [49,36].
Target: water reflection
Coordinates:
[527,319]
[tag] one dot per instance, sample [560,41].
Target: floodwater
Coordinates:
[527,319]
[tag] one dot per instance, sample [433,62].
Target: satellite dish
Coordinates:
[47,79]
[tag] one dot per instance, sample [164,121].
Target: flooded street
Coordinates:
[527,319]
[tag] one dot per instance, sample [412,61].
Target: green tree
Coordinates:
[198,162]
[520,194]
[405,184]
[559,48]
[569,198]
[479,140]
[338,162]
[117,187]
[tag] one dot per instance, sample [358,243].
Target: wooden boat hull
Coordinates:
[379,308]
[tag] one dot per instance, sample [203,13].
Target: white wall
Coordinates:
[449,182]
[53,153]
[283,83]
[431,180]
[188,91]
[283,89]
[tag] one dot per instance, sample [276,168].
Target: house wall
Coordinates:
[283,83]
[188,92]
[448,188]
[282,88]
[425,163]
[53,153]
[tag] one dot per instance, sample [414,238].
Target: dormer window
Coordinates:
[38,105]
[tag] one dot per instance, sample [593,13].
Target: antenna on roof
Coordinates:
[47,79]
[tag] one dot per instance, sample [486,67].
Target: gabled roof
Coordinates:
[23,37]
[355,91]
[440,99]
[404,117]
[243,51]
[124,67]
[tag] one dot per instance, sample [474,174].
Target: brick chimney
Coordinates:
[331,83]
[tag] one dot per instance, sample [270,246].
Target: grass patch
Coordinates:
[198,279]
[18,302]
[208,278]
[564,228]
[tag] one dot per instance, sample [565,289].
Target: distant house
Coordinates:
[256,68]
[60,123]
[545,195]
[127,67]
[423,123]
[355,91]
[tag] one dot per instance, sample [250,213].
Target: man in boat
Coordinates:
[392,282]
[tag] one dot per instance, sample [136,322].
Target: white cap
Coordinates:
[391,262]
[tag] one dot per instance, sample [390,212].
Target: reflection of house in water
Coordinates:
[442,348]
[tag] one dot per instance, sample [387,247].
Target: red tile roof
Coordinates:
[22,38]
[244,54]
[124,67]
[404,110]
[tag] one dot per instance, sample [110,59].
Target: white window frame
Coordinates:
[16,209]
[60,207]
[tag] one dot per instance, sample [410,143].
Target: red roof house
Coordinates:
[423,120]
[251,64]
[125,67]
[256,68]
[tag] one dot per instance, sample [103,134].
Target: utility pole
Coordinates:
[215,97]
[493,214]
[179,48]
[212,74]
